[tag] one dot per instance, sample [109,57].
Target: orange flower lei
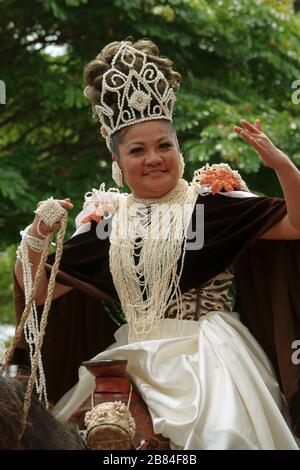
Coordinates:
[212,179]
[93,216]
[102,203]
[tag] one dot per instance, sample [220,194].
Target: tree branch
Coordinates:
[19,113]
[27,131]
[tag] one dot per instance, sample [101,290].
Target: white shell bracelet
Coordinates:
[35,243]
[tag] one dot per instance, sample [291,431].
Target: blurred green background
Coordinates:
[238,59]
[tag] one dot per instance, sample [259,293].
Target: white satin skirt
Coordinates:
[209,387]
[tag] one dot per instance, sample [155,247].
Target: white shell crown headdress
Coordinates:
[142,92]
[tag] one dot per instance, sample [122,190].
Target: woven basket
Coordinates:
[113,384]
[108,437]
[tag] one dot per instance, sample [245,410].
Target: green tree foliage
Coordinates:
[7,259]
[237,59]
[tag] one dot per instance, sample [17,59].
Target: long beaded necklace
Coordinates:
[147,240]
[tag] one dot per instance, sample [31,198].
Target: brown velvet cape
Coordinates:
[268,288]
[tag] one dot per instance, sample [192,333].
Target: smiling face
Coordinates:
[149,158]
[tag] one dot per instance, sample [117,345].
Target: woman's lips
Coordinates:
[155,172]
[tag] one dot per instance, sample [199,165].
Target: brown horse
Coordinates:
[42,432]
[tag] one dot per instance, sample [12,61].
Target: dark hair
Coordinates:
[42,431]
[95,69]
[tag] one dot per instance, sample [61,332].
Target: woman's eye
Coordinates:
[165,145]
[137,149]
[140,149]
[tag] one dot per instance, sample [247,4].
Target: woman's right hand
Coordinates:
[45,229]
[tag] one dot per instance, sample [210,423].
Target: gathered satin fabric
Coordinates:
[209,386]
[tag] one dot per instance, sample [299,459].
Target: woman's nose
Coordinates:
[153,158]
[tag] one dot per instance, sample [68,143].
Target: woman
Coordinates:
[207,382]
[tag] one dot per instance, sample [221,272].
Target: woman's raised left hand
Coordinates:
[268,152]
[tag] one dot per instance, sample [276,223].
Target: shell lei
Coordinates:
[146,288]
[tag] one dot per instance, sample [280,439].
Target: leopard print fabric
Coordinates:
[216,294]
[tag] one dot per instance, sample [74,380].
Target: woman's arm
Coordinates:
[288,174]
[283,230]
[41,296]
